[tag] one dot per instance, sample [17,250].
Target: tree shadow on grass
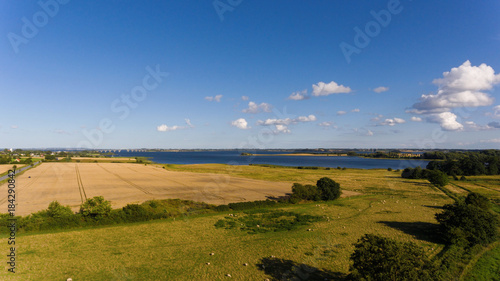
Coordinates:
[281,269]
[424,231]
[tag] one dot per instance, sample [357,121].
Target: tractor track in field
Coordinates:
[81,189]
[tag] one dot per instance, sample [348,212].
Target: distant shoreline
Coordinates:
[297,154]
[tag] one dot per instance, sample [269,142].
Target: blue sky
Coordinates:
[250,74]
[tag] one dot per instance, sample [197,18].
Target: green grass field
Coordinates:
[180,249]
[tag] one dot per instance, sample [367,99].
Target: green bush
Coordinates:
[56,210]
[306,192]
[95,208]
[380,258]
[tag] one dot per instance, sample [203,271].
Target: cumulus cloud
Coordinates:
[447,121]
[299,95]
[165,128]
[381,89]
[462,86]
[369,133]
[240,123]
[416,119]
[217,98]
[282,129]
[323,89]
[286,121]
[341,112]
[392,122]
[244,97]
[256,108]
[355,110]
[281,125]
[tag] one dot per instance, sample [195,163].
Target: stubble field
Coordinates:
[124,183]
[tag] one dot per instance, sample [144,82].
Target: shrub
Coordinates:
[134,212]
[478,200]
[56,210]
[96,208]
[389,169]
[329,189]
[306,192]
[379,258]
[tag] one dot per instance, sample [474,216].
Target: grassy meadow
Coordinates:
[179,249]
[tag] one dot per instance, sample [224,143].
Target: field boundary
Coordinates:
[476,258]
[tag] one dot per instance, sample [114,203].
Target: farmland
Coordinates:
[123,183]
[179,249]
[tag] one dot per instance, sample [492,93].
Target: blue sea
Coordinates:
[234,158]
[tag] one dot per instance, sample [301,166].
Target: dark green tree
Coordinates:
[329,189]
[466,225]
[437,178]
[379,258]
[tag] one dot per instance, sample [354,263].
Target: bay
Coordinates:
[233,157]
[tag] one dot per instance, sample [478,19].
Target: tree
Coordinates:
[380,258]
[306,192]
[96,208]
[477,200]
[466,224]
[329,189]
[56,210]
[437,178]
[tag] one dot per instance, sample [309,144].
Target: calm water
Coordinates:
[234,158]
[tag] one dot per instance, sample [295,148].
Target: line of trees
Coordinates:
[464,225]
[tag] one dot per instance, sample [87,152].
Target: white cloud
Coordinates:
[14,127]
[355,110]
[323,89]
[217,98]
[240,123]
[282,129]
[188,122]
[341,112]
[462,86]
[287,121]
[490,141]
[369,133]
[299,95]
[256,108]
[416,119]
[244,97]
[325,124]
[309,118]
[381,89]
[447,121]
[165,128]
[392,122]
[496,112]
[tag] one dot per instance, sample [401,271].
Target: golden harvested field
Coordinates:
[4,168]
[123,183]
